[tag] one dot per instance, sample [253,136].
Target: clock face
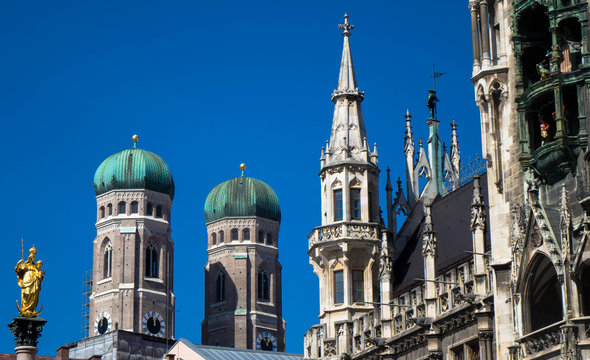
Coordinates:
[102,323]
[266,341]
[153,324]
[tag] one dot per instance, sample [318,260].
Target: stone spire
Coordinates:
[455,153]
[410,152]
[347,140]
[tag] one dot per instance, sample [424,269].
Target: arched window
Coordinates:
[109,209]
[246,234]
[134,207]
[220,293]
[101,212]
[268,239]
[543,285]
[263,285]
[151,261]
[234,235]
[221,239]
[214,238]
[260,237]
[107,260]
[159,211]
[149,210]
[122,208]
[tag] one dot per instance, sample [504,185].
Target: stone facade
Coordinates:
[531,74]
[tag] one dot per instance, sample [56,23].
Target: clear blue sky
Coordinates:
[207,85]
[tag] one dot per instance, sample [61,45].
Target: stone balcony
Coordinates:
[344,231]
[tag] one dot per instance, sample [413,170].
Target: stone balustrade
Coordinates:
[342,231]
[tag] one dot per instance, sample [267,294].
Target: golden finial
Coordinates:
[242,167]
[135,138]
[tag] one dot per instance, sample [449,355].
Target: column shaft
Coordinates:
[485,34]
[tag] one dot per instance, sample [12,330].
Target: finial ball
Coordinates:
[242,166]
[135,138]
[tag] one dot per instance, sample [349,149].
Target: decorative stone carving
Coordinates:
[428,237]
[26,330]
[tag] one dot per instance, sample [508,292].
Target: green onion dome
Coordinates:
[242,196]
[133,169]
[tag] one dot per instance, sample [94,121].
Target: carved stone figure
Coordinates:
[431,103]
[30,277]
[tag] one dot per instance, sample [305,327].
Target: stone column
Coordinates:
[485,34]
[26,333]
[475,36]
[485,344]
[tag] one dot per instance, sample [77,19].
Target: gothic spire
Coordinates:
[347,140]
[455,153]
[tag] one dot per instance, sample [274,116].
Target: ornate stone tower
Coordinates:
[531,74]
[133,252]
[243,305]
[344,250]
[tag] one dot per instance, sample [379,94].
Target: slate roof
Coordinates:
[225,353]
[451,217]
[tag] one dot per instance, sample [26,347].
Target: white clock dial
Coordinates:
[102,323]
[266,341]
[153,324]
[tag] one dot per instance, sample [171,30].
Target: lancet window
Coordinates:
[263,285]
[220,288]
[338,287]
[358,290]
[107,260]
[151,261]
[338,209]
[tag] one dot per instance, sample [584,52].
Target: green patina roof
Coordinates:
[242,196]
[133,169]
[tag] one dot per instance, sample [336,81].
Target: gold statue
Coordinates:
[30,277]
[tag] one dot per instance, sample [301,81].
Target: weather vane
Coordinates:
[435,75]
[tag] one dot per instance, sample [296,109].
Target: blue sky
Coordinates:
[206,85]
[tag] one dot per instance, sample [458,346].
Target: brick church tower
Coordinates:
[243,306]
[133,251]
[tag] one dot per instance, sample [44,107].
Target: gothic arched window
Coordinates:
[220,281]
[263,285]
[109,209]
[221,239]
[151,261]
[107,260]
[541,286]
[246,234]
[101,212]
[134,207]
[122,208]
[234,235]
[214,238]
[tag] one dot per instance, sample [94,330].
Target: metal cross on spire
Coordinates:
[435,75]
[346,26]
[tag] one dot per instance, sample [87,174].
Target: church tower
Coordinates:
[243,304]
[344,249]
[133,252]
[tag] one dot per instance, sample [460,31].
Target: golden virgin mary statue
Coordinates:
[30,277]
